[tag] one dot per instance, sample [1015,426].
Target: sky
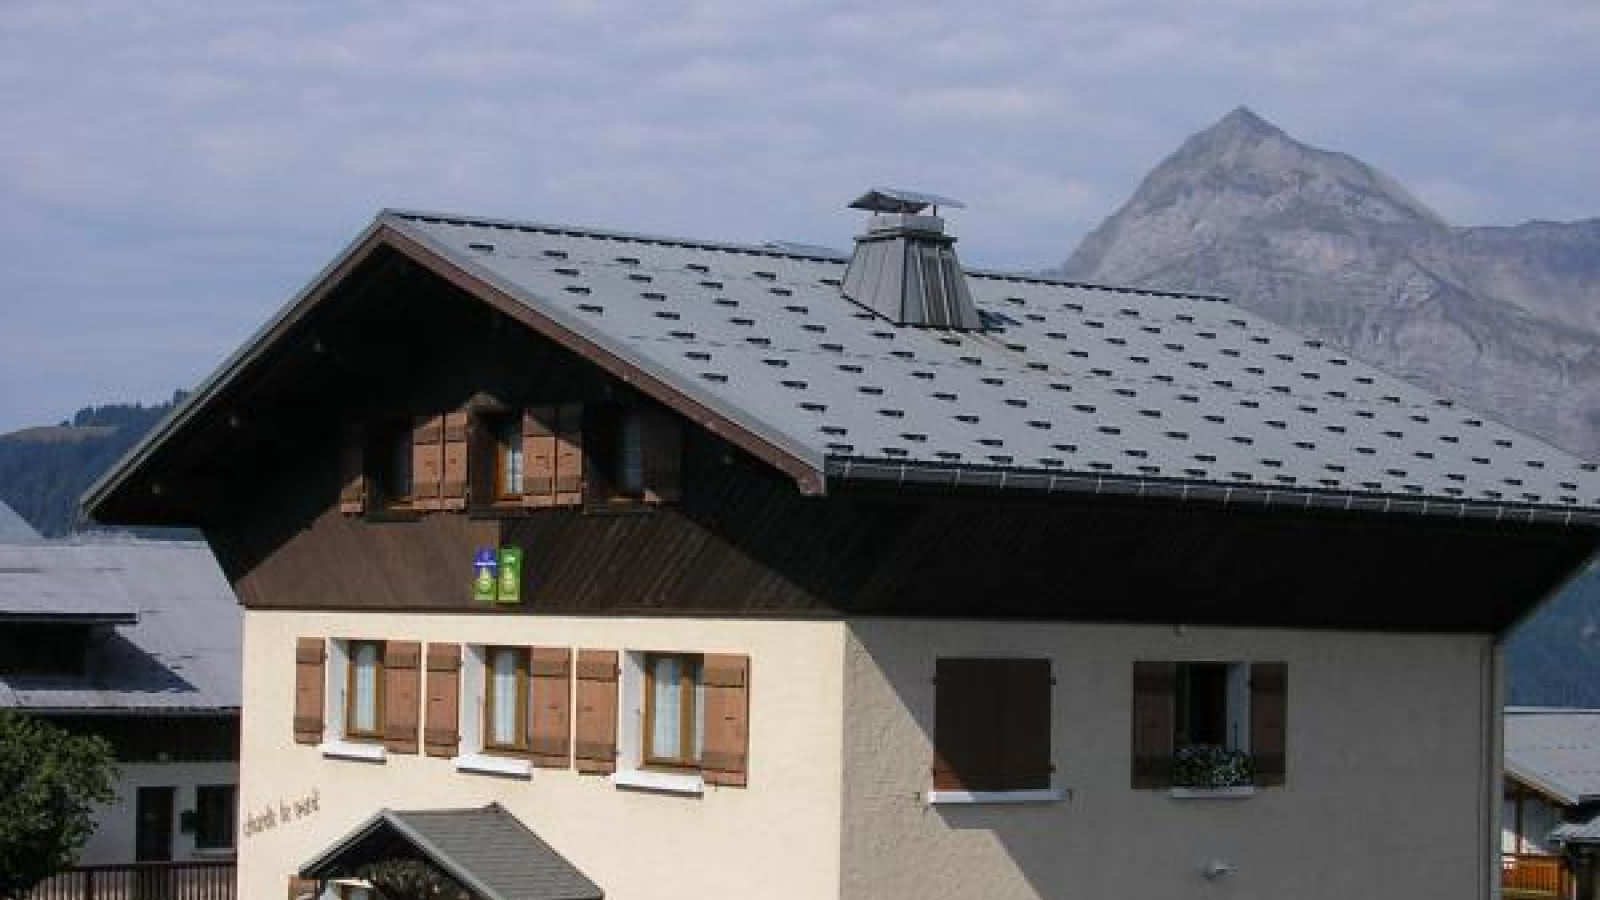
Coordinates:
[171,172]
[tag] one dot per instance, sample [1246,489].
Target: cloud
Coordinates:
[171,171]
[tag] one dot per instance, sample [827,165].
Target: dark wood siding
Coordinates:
[160,738]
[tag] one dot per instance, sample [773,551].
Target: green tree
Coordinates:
[50,781]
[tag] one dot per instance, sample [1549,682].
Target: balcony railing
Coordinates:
[1529,876]
[142,881]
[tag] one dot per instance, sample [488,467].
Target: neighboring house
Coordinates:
[138,642]
[577,561]
[1551,818]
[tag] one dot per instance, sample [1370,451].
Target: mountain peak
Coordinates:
[1243,122]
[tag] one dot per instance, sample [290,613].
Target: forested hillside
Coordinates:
[44,470]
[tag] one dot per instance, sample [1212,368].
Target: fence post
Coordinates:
[88,885]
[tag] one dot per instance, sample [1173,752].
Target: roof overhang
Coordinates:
[1539,784]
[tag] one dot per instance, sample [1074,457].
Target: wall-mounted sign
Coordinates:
[510,581]
[485,572]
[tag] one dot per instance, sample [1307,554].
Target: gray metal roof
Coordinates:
[13,527]
[178,646]
[1555,751]
[488,850]
[1069,387]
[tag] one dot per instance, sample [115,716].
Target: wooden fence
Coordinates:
[142,881]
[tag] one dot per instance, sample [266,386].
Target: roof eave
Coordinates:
[1081,483]
[1542,785]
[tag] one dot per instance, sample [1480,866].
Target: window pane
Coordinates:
[508,435]
[630,468]
[665,731]
[364,703]
[503,697]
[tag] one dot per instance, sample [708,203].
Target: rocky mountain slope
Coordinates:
[1504,319]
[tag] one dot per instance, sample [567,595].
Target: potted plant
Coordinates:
[1208,767]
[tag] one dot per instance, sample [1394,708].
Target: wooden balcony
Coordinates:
[1530,876]
[142,881]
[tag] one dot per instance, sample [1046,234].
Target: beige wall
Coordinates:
[778,838]
[1389,746]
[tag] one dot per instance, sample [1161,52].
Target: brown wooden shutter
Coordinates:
[966,754]
[352,475]
[402,676]
[441,733]
[453,482]
[569,455]
[1154,691]
[596,745]
[1269,714]
[662,441]
[310,685]
[725,757]
[539,456]
[427,461]
[1025,730]
[550,706]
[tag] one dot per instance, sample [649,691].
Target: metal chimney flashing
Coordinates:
[905,268]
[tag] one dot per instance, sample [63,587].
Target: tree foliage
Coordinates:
[410,879]
[50,781]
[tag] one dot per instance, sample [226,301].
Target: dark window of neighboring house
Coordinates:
[215,805]
[43,649]
[992,725]
[673,704]
[363,718]
[389,463]
[629,461]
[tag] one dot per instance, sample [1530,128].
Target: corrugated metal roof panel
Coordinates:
[1066,378]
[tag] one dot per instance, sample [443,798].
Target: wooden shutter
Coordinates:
[966,751]
[550,706]
[1269,712]
[539,456]
[596,745]
[402,675]
[427,461]
[1025,727]
[441,732]
[725,757]
[454,466]
[352,475]
[310,685]
[569,455]
[1154,692]
[662,441]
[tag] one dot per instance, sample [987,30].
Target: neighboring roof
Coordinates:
[1555,751]
[1070,387]
[488,850]
[14,528]
[176,644]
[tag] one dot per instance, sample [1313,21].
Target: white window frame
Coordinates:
[337,678]
[631,772]
[470,755]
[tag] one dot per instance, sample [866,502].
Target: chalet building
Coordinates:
[1550,823]
[137,642]
[582,563]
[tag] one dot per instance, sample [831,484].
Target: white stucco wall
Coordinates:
[1390,790]
[778,838]
[114,834]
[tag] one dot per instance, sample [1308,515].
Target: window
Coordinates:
[363,714]
[505,433]
[674,729]
[389,458]
[505,692]
[991,727]
[215,807]
[1209,725]
[629,463]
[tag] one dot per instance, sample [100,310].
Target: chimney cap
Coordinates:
[897,200]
